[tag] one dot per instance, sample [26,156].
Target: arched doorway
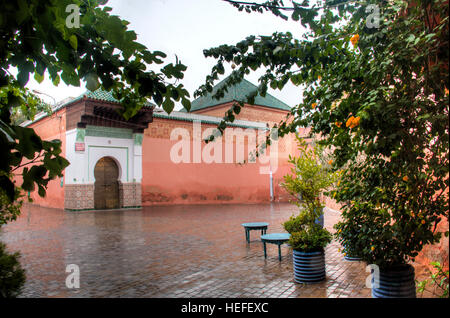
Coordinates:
[106,186]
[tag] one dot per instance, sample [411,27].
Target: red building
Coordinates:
[156,158]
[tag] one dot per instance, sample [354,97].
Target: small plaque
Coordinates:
[79,146]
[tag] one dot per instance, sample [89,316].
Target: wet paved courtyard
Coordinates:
[176,251]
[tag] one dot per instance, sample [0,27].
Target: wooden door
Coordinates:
[106,193]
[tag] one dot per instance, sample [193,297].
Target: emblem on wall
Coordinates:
[80,146]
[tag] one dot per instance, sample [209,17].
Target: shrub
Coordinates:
[295,223]
[311,239]
[12,276]
[9,210]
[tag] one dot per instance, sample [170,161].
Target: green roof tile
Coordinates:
[105,96]
[101,95]
[97,94]
[237,92]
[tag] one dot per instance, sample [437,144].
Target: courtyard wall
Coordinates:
[50,128]
[195,181]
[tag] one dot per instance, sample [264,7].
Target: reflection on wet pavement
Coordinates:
[176,251]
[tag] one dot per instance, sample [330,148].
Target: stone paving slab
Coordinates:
[177,251]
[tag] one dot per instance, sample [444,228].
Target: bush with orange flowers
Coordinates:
[384,112]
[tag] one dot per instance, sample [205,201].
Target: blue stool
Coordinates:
[254,226]
[275,238]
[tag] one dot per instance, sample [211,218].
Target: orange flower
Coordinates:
[354,39]
[423,222]
[405,178]
[330,162]
[372,248]
[319,77]
[338,123]
[446,90]
[352,122]
[349,121]
[313,105]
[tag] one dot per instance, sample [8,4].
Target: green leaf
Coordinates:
[23,12]
[39,78]
[23,77]
[92,82]
[73,41]
[41,191]
[186,103]
[56,80]
[168,105]
[28,142]
[70,78]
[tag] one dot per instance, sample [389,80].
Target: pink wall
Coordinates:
[50,128]
[165,182]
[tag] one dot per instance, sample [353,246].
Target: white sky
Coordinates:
[186,28]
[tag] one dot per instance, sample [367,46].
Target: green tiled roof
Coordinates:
[238,92]
[101,95]
[105,96]
[97,94]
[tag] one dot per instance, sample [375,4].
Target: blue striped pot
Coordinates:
[309,267]
[352,259]
[397,282]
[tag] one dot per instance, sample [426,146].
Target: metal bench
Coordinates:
[275,238]
[254,226]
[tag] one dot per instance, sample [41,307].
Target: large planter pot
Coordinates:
[309,267]
[349,257]
[352,258]
[396,282]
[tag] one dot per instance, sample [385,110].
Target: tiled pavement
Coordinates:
[178,251]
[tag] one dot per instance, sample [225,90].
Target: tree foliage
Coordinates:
[375,80]
[51,38]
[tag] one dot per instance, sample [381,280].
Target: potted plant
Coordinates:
[383,107]
[365,232]
[310,177]
[308,241]
[388,236]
